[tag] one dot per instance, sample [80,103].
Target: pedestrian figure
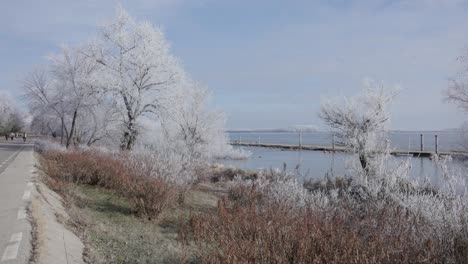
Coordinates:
[6,136]
[12,135]
[24,137]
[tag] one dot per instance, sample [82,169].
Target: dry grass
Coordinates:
[114,234]
[216,221]
[117,225]
[247,229]
[148,196]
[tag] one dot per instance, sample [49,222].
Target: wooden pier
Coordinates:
[415,153]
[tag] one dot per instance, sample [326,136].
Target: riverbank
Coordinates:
[229,216]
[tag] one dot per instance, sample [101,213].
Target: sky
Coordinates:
[269,63]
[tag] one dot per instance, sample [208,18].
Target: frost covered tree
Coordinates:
[11,120]
[63,88]
[5,113]
[97,123]
[74,73]
[138,71]
[45,124]
[123,86]
[457,92]
[360,122]
[197,128]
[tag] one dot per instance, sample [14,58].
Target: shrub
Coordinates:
[267,233]
[43,146]
[149,193]
[387,219]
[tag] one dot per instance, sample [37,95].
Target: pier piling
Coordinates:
[300,138]
[333,142]
[422,142]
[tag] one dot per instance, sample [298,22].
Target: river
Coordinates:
[317,164]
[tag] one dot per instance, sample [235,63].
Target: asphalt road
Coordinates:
[16,170]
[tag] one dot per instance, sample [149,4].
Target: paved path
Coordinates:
[16,170]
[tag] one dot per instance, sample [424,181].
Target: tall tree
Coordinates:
[138,71]
[45,99]
[65,88]
[75,73]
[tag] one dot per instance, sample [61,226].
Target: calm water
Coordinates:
[401,140]
[316,164]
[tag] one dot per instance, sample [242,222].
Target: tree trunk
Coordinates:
[70,136]
[129,136]
[364,163]
[61,130]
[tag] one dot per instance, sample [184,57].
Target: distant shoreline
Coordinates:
[322,131]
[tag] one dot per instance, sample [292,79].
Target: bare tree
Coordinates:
[74,72]
[457,92]
[96,123]
[360,121]
[191,123]
[45,124]
[64,88]
[45,100]
[138,71]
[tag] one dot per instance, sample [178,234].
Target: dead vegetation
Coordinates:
[229,216]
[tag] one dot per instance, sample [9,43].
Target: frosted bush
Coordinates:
[228,152]
[164,162]
[281,187]
[439,213]
[447,207]
[43,146]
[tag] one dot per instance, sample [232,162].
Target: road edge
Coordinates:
[54,243]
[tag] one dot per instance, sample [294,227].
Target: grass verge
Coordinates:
[114,233]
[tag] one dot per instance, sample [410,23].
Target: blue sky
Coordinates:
[269,63]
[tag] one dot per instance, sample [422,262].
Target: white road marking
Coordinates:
[21,213]
[16,237]
[27,195]
[27,192]
[11,251]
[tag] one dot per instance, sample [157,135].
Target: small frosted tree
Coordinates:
[11,120]
[199,130]
[457,92]
[5,113]
[360,122]
[138,71]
